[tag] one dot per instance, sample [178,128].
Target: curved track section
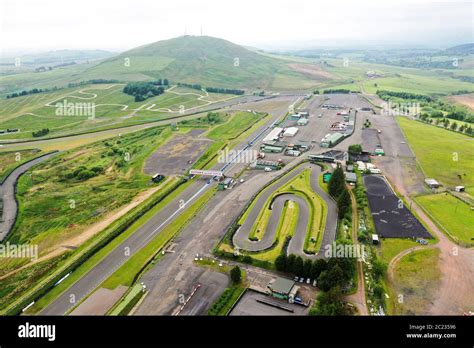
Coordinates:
[8,191]
[296,245]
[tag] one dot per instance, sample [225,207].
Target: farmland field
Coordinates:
[452,214]
[416,278]
[394,78]
[443,155]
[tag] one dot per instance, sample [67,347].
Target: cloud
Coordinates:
[122,24]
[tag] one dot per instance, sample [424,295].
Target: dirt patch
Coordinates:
[100,301]
[463,99]
[311,70]
[177,155]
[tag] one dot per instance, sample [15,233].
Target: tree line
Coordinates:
[91,82]
[332,276]
[338,190]
[224,90]
[446,123]
[338,91]
[27,92]
[385,95]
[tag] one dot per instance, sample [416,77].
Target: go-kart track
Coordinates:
[391,217]
[296,245]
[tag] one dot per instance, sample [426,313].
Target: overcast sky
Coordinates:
[123,24]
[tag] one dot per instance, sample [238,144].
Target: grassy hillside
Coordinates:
[112,108]
[201,59]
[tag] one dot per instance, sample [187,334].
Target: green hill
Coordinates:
[205,60]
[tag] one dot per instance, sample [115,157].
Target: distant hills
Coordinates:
[205,60]
[464,49]
[58,57]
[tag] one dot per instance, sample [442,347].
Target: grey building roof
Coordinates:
[282,285]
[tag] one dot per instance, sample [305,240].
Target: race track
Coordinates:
[241,237]
[7,194]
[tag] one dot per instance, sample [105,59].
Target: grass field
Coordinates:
[443,155]
[15,286]
[286,229]
[450,214]
[81,186]
[10,160]
[391,247]
[393,78]
[416,279]
[128,301]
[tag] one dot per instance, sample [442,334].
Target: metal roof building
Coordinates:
[351,177]
[281,287]
[331,139]
[273,135]
[290,131]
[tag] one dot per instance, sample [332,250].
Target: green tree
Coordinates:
[346,264]
[236,275]
[307,268]
[330,303]
[290,261]
[355,149]
[280,262]
[331,278]
[317,267]
[337,182]
[378,291]
[379,269]
[344,202]
[298,266]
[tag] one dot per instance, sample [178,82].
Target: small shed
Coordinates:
[375,239]
[432,183]
[351,177]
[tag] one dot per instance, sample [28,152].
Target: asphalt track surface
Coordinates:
[391,217]
[7,192]
[140,238]
[241,237]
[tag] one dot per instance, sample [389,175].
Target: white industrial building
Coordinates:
[290,131]
[273,135]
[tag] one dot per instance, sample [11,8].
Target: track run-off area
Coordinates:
[274,198]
